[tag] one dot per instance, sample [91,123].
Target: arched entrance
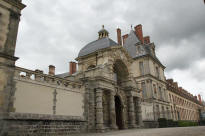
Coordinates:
[118,112]
[120,72]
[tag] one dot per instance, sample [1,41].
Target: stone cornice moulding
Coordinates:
[31,116]
[15,3]
[48,85]
[8,56]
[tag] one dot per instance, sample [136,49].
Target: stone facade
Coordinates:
[103,92]
[184,106]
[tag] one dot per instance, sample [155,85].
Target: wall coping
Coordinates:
[31,116]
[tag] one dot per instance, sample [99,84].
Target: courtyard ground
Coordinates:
[179,131]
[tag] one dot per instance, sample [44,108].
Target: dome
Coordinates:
[102,43]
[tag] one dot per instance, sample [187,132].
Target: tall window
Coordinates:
[155,89]
[160,93]
[163,112]
[157,111]
[144,90]
[157,72]
[141,66]
[165,95]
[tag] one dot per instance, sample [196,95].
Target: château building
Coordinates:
[117,85]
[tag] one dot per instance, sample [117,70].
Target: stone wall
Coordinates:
[44,94]
[147,111]
[38,125]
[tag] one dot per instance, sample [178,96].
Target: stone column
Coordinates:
[131,112]
[86,106]
[139,112]
[91,109]
[112,111]
[99,111]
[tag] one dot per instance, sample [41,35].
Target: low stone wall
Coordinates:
[40,125]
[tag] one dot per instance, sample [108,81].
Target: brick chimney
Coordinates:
[146,39]
[180,89]
[176,84]
[119,39]
[124,37]
[170,81]
[139,33]
[51,70]
[199,96]
[72,67]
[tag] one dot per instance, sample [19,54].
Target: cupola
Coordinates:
[103,33]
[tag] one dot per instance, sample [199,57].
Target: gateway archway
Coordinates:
[118,112]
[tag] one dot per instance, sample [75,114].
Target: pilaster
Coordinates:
[131,112]
[139,112]
[112,111]
[99,111]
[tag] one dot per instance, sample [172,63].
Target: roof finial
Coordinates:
[103,26]
[131,26]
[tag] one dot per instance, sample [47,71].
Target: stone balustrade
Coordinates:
[39,76]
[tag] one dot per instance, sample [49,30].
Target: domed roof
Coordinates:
[101,43]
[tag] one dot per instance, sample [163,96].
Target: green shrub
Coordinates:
[182,123]
[171,123]
[202,122]
[162,122]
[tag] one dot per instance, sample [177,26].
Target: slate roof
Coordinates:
[96,45]
[63,75]
[130,44]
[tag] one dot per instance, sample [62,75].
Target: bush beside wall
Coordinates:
[163,122]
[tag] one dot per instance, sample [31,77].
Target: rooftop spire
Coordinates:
[103,33]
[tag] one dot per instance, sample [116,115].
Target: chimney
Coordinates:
[51,70]
[119,39]
[170,81]
[176,84]
[139,33]
[146,39]
[124,37]
[180,89]
[199,96]
[72,67]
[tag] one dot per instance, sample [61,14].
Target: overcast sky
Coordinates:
[53,32]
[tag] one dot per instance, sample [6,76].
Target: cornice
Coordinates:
[15,3]
[8,56]
[150,76]
[149,56]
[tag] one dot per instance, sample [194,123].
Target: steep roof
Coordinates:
[130,44]
[63,75]
[136,49]
[96,45]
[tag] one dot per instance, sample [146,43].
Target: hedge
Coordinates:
[163,122]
